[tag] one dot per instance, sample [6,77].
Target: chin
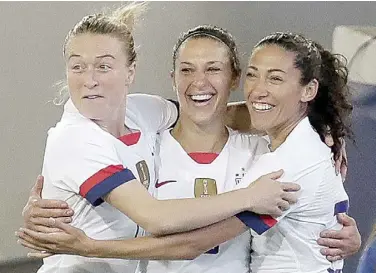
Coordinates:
[92,114]
[202,119]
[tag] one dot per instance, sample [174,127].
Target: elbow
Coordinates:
[158,228]
[154,224]
[157,231]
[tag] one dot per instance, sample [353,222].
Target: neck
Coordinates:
[278,135]
[114,124]
[193,137]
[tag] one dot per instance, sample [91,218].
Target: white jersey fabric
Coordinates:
[183,175]
[288,244]
[83,163]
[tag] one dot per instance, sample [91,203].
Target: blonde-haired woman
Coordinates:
[103,147]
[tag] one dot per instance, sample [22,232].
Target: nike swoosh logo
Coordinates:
[160,184]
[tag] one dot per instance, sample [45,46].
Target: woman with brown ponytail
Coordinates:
[100,157]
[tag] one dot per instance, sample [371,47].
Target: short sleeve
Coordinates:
[85,161]
[309,179]
[158,113]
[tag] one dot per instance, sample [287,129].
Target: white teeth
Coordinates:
[201,97]
[261,106]
[92,96]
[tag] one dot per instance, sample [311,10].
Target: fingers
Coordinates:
[331,244]
[338,164]
[290,197]
[288,186]
[50,204]
[36,190]
[345,220]
[276,213]
[29,245]
[47,209]
[329,140]
[343,167]
[61,226]
[277,174]
[274,175]
[343,171]
[43,229]
[39,255]
[343,144]
[344,153]
[284,205]
[36,237]
[44,224]
[27,241]
[333,234]
[334,258]
[332,252]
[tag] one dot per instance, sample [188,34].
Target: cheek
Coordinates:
[248,87]
[74,82]
[222,85]
[182,84]
[113,83]
[289,102]
[290,96]
[109,79]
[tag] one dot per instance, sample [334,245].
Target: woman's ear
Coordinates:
[310,91]
[131,74]
[172,76]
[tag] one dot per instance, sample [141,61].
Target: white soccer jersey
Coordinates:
[204,174]
[288,244]
[83,163]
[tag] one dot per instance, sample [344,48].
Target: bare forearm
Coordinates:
[150,248]
[182,246]
[161,217]
[197,213]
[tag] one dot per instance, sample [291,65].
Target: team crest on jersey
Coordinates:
[205,187]
[239,176]
[143,173]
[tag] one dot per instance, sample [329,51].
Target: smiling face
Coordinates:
[98,75]
[203,79]
[275,97]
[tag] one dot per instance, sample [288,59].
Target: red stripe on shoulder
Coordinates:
[99,177]
[267,219]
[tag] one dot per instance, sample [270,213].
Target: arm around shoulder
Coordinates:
[157,112]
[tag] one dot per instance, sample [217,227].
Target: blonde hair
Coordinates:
[118,23]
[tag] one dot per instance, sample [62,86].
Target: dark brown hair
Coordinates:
[329,112]
[215,33]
